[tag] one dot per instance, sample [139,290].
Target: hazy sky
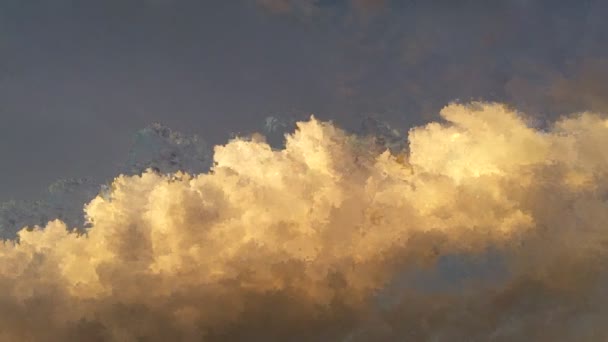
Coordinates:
[78,78]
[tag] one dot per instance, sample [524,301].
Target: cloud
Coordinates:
[155,147]
[332,239]
[583,89]
[160,148]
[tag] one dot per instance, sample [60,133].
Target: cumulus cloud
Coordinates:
[156,147]
[486,229]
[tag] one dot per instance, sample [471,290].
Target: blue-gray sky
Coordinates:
[78,78]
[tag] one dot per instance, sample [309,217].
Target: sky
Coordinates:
[79,78]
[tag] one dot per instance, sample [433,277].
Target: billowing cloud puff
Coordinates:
[155,147]
[486,229]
